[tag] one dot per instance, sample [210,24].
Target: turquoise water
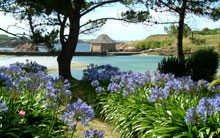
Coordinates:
[125,63]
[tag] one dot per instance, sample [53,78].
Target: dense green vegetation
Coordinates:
[172,65]
[6,37]
[203,64]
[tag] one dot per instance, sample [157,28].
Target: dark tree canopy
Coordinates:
[64,17]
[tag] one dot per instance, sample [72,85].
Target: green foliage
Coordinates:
[214,83]
[173,30]
[172,65]
[5,37]
[219,45]
[134,116]
[153,44]
[135,17]
[203,64]
[207,31]
[198,40]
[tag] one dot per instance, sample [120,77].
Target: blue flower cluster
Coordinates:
[32,77]
[33,67]
[126,82]
[191,116]
[157,94]
[103,72]
[5,80]
[206,108]
[58,91]
[78,111]
[3,108]
[93,134]
[129,82]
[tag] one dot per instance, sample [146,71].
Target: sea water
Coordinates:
[125,63]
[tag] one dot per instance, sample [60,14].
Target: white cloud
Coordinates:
[123,31]
[9,23]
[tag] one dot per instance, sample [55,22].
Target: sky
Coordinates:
[118,30]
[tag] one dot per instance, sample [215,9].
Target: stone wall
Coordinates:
[103,48]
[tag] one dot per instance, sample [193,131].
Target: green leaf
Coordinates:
[208,131]
[212,134]
[12,134]
[201,134]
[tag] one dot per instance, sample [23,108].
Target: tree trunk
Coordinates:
[180,31]
[64,64]
[68,48]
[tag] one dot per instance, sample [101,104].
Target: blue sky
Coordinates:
[123,31]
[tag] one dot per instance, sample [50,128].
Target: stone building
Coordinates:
[103,43]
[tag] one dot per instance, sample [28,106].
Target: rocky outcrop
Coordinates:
[28,47]
[124,48]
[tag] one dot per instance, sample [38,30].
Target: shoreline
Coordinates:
[53,69]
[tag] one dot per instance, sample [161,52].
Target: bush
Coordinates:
[172,65]
[219,45]
[203,64]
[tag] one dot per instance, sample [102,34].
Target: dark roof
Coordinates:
[103,39]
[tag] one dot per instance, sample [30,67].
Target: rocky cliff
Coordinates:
[28,47]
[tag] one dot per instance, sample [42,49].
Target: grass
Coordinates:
[169,41]
[78,90]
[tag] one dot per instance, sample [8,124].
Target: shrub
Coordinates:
[141,46]
[203,64]
[198,40]
[219,45]
[172,65]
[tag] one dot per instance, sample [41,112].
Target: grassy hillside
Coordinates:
[200,39]
[5,37]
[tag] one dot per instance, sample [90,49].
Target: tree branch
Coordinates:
[98,5]
[21,36]
[62,29]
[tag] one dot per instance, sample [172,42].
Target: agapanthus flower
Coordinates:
[103,72]
[157,94]
[114,87]
[191,116]
[78,111]
[93,134]
[3,107]
[99,89]
[95,83]
[5,80]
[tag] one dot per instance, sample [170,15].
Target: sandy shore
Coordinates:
[53,69]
